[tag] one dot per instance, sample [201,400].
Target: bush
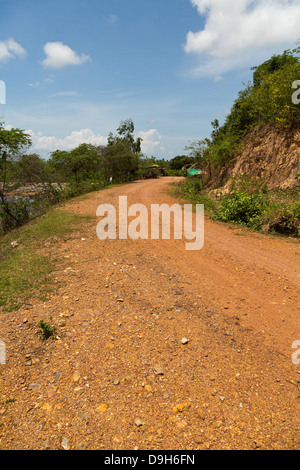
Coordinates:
[241,208]
[77,189]
[13,214]
[191,187]
[250,203]
[286,220]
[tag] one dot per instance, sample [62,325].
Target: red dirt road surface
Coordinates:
[157,347]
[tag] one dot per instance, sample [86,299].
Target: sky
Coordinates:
[74,69]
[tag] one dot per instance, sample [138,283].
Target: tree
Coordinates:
[82,163]
[275,63]
[33,170]
[122,154]
[126,130]
[177,163]
[85,162]
[11,143]
[199,151]
[59,165]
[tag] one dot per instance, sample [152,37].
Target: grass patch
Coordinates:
[24,271]
[192,190]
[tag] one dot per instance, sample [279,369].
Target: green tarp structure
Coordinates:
[194,172]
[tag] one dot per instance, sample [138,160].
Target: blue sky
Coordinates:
[74,69]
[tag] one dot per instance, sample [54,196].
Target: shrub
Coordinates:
[47,330]
[241,208]
[13,214]
[191,187]
[286,220]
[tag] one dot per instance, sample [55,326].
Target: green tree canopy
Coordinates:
[12,141]
[122,154]
[268,100]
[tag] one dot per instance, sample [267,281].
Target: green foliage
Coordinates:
[79,164]
[12,141]
[275,63]
[249,203]
[241,208]
[191,187]
[125,131]
[284,218]
[268,100]
[87,164]
[177,163]
[247,184]
[47,330]
[120,163]
[122,154]
[200,151]
[13,214]
[66,174]
[30,169]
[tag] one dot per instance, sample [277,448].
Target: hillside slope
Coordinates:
[269,154]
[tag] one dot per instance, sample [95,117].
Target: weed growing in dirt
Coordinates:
[47,330]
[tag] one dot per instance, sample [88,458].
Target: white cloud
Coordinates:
[65,93]
[10,49]
[236,30]
[113,19]
[59,55]
[151,140]
[47,81]
[45,144]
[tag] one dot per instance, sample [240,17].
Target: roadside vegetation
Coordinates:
[249,202]
[32,193]
[30,185]
[267,100]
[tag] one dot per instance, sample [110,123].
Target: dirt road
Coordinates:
[158,347]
